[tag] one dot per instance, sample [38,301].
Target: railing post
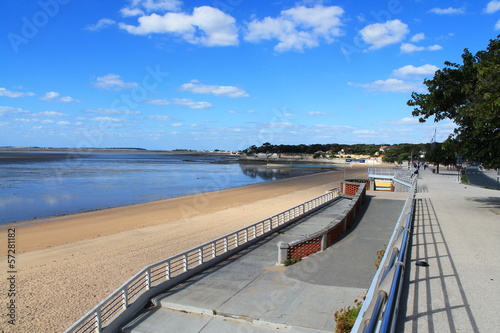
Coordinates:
[167,271]
[200,255]
[324,239]
[148,278]
[214,253]
[283,252]
[98,320]
[185,263]
[125,298]
[225,244]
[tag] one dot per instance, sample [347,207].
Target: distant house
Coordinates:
[344,152]
[381,150]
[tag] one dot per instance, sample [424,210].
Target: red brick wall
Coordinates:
[304,249]
[351,189]
[334,234]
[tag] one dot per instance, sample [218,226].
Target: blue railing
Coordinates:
[379,311]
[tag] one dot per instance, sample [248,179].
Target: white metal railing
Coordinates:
[379,310]
[155,278]
[405,177]
[379,172]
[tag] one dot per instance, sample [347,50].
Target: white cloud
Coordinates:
[404,122]
[447,11]
[177,125]
[383,34]
[390,85]
[492,7]
[434,47]
[138,7]
[497,25]
[229,91]
[410,48]
[410,70]
[113,81]
[53,96]
[4,110]
[207,26]
[105,119]
[181,101]
[101,24]
[63,123]
[50,114]
[418,37]
[27,120]
[298,28]
[14,94]
[161,118]
[232,112]
[112,111]
[317,113]
[191,104]
[281,125]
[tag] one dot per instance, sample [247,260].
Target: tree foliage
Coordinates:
[468,94]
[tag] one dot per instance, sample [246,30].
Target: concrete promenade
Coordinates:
[250,293]
[457,233]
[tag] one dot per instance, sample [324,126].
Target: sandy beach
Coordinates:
[66,265]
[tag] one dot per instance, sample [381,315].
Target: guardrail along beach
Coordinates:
[134,294]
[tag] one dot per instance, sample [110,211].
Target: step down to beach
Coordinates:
[178,318]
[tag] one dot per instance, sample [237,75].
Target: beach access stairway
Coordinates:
[250,292]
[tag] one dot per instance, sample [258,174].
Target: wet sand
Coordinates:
[67,265]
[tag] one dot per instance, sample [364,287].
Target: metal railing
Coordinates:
[134,294]
[379,310]
[405,177]
[380,172]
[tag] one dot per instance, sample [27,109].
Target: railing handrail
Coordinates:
[380,306]
[177,266]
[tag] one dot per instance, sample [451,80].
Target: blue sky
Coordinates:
[226,74]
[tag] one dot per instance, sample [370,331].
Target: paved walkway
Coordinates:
[457,232]
[250,293]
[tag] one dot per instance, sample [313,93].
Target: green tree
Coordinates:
[468,94]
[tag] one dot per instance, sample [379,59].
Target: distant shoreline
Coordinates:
[111,150]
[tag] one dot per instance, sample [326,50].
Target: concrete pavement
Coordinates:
[457,232]
[250,293]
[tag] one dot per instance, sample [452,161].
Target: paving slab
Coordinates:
[457,233]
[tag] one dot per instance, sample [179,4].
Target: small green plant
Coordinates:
[214,312]
[346,317]
[380,255]
[464,178]
[289,262]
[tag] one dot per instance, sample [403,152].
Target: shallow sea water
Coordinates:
[34,186]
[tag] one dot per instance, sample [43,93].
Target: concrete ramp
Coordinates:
[250,293]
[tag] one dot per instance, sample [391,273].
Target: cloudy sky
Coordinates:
[226,74]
